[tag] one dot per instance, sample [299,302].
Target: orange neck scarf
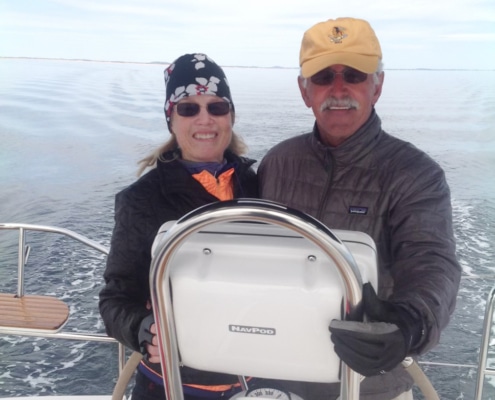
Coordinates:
[220,187]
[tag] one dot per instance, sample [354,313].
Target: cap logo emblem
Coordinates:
[337,34]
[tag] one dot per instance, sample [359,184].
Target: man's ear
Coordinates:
[378,87]
[302,82]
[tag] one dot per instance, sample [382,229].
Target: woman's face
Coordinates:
[202,134]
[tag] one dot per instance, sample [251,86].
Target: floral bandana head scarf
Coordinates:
[193,75]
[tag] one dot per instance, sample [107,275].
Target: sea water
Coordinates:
[71,133]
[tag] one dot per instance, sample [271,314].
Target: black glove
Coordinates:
[370,348]
[144,334]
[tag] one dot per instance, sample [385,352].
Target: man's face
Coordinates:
[340,107]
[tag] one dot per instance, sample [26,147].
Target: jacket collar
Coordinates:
[174,177]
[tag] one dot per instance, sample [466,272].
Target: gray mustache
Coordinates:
[346,102]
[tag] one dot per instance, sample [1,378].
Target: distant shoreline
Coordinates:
[131,62]
[225,66]
[83,60]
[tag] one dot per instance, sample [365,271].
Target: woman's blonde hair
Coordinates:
[236,146]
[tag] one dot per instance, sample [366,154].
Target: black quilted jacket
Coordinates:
[165,193]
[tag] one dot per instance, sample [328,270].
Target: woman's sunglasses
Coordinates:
[191,109]
[327,76]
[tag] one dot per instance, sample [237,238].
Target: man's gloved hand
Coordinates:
[381,344]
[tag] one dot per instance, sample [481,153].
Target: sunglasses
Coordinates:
[191,109]
[327,76]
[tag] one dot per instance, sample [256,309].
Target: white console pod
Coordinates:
[256,299]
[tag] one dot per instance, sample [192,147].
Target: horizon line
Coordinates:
[225,66]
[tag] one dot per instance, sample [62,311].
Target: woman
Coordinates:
[199,164]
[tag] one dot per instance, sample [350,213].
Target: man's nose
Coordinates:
[338,82]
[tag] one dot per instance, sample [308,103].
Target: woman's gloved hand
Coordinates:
[370,348]
[148,341]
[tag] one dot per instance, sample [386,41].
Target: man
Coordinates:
[350,174]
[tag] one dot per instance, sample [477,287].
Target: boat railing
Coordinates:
[22,258]
[483,369]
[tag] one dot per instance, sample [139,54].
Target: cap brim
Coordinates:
[364,63]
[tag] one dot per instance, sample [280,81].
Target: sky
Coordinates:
[440,34]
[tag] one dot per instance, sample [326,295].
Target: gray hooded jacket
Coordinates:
[389,189]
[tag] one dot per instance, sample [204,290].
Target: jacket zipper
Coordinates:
[329,163]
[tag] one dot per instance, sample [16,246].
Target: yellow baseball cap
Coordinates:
[346,41]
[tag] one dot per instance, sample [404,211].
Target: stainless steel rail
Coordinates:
[23,250]
[23,255]
[244,210]
[483,369]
